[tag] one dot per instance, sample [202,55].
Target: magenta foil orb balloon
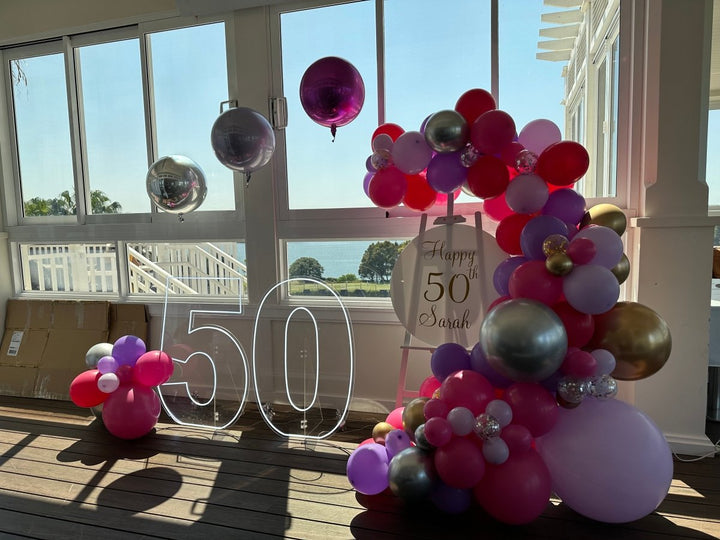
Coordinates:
[332,92]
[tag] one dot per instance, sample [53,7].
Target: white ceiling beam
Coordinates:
[565,44]
[554,56]
[556,32]
[562,17]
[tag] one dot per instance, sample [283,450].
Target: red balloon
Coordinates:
[497,208]
[466,388]
[387,188]
[153,368]
[473,103]
[419,195]
[84,391]
[581,250]
[508,232]
[428,386]
[517,491]
[510,153]
[393,130]
[518,438]
[131,411]
[532,406]
[492,132]
[442,198]
[498,301]
[487,177]
[563,163]
[395,418]
[460,463]
[532,280]
[578,326]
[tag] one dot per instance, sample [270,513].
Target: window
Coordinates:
[712,174]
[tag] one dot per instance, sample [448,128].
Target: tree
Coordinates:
[65,205]
[379,259]
[306,267]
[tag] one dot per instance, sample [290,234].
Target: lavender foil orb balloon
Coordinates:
[243,139]
[332,92]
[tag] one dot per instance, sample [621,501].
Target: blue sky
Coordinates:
[432,57]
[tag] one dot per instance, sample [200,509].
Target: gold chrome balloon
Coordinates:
[622,269]
[413,415]
[559,264]
[607,215]
[638,338]
[380,431]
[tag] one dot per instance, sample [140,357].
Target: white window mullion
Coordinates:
[73,81]
[148,99]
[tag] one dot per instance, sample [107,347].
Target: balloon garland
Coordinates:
[530,408]
[121,379]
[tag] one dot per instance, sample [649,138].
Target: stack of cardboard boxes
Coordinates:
[45,342]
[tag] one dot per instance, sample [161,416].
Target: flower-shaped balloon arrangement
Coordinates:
[121,378]
[529,409]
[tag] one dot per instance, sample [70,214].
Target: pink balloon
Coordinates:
[428,386]
[467,389]
[460,463]
[497,207]
[518,438]
[131,411]
[438,431]
[84,391]
[527,194]
[387,187]
[532,406]
[579,363]
[332,91]
[517,491]
[435,407]
[581,250]
[395,418]
[532,280]
[538,134]
[153,368]
[411,153]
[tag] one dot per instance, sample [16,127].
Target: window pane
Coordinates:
[712,174]
[602,102]
[87,268]
[187,269]
[189,71]
[613,119]
[321,173]
[113,112]
[43,135]
[529,88]
[434,52]
[341,265]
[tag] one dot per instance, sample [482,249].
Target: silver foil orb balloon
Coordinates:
[176,184]
[243,139]
[523,340]
[446,131]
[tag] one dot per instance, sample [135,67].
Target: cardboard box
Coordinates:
[27,325]
[128,319]
[18,381]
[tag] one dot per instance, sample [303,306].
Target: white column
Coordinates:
[672,251]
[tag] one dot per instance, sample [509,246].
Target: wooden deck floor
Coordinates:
[63,476]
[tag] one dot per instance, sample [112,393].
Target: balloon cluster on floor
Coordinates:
[121,377]
[530,409]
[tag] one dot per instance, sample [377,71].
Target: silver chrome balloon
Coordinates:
[243,139]
[446,131]
[523,340]
[411,474]
[96,352]
[176,184]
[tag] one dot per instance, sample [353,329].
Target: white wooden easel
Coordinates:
[402,391]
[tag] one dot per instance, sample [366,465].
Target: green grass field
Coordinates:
[355,288]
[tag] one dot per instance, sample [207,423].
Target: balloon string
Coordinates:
[333,131]
[247,179]
[181,219]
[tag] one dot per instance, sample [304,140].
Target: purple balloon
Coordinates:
[565,204]
[369,164]
[107,364]
[605,361]
[448,358]
[536,231]
[366,182]
[127,349]
[367,469]
[591,289]
[479,363]
[396,441]
[243,139]
[608,245]
[501,276]
[332,92]
[446,173]
[449,499]
[608,461]
[526,194]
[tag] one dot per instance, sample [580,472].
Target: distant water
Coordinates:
[336,258]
